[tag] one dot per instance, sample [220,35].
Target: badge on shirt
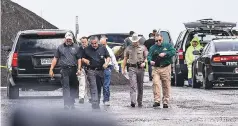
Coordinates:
[165,49]
[102,57]
[73,50]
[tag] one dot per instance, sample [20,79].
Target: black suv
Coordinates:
[30,58]
[205,29]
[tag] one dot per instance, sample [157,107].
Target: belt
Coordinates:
[92,68]
[68,67]
[162,66]
[134,65]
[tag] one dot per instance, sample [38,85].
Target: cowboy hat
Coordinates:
[135,38]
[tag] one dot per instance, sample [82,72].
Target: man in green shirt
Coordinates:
[160,57]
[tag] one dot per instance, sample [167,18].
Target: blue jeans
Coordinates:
[106,84]
[119,67]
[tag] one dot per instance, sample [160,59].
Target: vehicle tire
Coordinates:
[172,80]
[12,91]
[179,79]
[194,80]
[206,83]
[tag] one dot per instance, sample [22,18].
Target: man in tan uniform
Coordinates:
[160,57]
[136,56]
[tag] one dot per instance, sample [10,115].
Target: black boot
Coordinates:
[165,106]
[133,105]
[81,101]
[156,104]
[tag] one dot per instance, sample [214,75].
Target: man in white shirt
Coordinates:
[107,72]
[82,78]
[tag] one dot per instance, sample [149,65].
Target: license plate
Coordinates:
[231,63]
[46,61]
[236,70]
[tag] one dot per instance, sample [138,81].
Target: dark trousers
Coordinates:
[70,84]
[95,79]
[150,71]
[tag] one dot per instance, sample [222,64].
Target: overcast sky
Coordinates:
[104,16]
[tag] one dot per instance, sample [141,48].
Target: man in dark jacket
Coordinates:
[97,59]
[148,43]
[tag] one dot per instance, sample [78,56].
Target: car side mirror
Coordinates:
[6,48]
[200,51]
[196,52]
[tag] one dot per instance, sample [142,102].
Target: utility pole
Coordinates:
[76,27]
[42,25]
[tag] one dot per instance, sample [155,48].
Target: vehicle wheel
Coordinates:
[206,83]
[12,91]
[179,79]
[194,80]
[173,81]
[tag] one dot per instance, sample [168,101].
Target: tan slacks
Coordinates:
[83,85]
[162,74]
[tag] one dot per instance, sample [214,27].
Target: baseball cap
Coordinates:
[69,35]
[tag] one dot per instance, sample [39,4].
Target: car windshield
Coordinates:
[226,46]
[208,36]
[116,38]
[34,43]
[235,32]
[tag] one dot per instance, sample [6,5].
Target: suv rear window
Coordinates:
[36,43]
[226,46]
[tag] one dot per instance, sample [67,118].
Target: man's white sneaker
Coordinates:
[107,103]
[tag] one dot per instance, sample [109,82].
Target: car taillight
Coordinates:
[224,58]
[180,54]
[15,60]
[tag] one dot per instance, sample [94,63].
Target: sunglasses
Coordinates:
[158,40]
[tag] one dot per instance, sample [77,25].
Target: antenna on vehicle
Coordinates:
[76,26]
